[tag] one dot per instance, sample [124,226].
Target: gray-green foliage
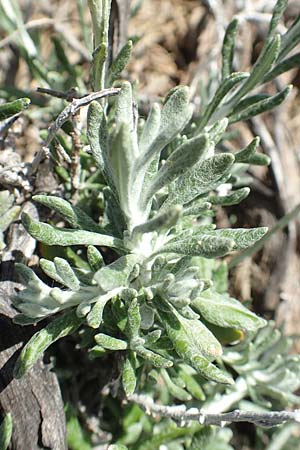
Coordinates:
[8,213]
[163,302]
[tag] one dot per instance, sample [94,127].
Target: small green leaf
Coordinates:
[51,235]
[278,11]
[134,320]
[284,66]
[116,274]
[202,178]
[155,359]
[207,246]
[49,268]
[234,198]
[129,380]
[10,109]
[66,273]
[260,107]
[228,48]
[175,115]
[95,258]
[40,341]
[181,160]
[224,88]
[224,311]
[6,428]
[150,128]
[109,342]
[244,155]
[175,390]
[96,132]
[119,63]
[72,214]
[210,371]
[94,318]
[191,383]
[290,39]
[263,64]
[242,237]
[8,217]
[162,221]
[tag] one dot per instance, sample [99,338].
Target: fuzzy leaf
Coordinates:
[9,216]
[175,115]
[129,380]
[202,178]
[181,160]
[51,235]
[260,107]
[95,120]
[134,320]
[242,237]
[66,273]
[233,198]
[191,383]
[228,48]
[207,246]
[224,311]
[155,359]
[290,39]
[150,128]
[109,342]
[278,11]
[162,221]
[217,130]
[49,268]
[94,318]
[119,63]
[224,88]
[210,371]
[244,155]
[116,274]
[284,66]
[263,64]
[175,390]
[72,214]
[40,341]
[95,258]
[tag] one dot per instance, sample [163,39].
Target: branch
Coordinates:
[182,415]
[69,111]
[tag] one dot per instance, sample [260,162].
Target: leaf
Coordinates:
[6,428]
[210,371]
[134,321]
[40,341]
[182,159]
[290,39]
[9,216]
[263,64]
[217,130]
[150,128]
[109,342]
[51,235]
[119,64]
[162,221]
[224,311]
[94,318]
[224,88]
[65,272]
[202,178]
[176,113]
[10,109]
[95,258]
[123,112]
[244,155]
[260,107]
[284,66]
[75,216]
[207,246]
[175,390]
[278,11]
[242,237]
[154,358]
[233,198]
[95,132]
[129,380]
[191,383]
[116,274]
[49,268]
[228,48]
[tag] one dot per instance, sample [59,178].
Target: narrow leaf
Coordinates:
[233,198]
[134,320]
[49,268]
[119,63]
[261,106]
[246,153]
[95,258]
[109,342]
[95,120]
[224,88]
[224,311]
[242,237]
[210,371]
[129,380]
[94,318]
[65,272]
[40,341]
[51,235]
[202,178]
[155,359]
[150,128]
[290,39]
[204,245]
[228,48]
[181,160]
[284,66]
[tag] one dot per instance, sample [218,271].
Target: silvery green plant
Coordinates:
[161,303]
